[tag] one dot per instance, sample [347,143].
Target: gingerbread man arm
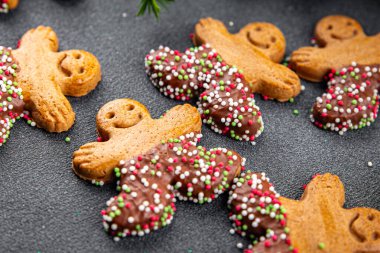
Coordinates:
[128,130]
[266,37]
[40,38]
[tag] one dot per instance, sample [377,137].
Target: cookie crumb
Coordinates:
[370,164]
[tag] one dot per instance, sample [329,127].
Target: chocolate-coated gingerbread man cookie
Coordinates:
[316,223]
[351,101]
[127,130]
[11,98]
[225,100]
[46,76]
[148,184]
[342,41]
[256,51]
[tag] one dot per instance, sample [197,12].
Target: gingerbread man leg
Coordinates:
[267,78]
[46,76]
[128,130]
[150,182]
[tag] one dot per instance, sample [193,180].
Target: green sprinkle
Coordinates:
[296,112]
[67,139]
[321,245]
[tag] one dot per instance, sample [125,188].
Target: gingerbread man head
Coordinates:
[46,76]
[342,41]
[126,130]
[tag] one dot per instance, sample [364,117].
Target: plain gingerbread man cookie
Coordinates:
[127,129]
[342,41]
[316,223]
[255,50]
[47,75]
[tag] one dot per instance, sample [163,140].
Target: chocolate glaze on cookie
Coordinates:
[11,98]
[150,182]
[351,101]
[226,102]
[257,213]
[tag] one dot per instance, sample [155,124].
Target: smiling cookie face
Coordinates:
[79,69]
[365,226]
[266,37]
[337,28]
[121,113]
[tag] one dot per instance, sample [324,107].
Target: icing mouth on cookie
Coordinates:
[150,182]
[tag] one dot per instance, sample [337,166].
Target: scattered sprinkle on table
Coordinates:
[370,164]
[67,139]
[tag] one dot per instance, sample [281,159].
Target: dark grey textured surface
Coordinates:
[45,207]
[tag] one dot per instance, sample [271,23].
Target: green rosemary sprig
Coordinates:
[152,6]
